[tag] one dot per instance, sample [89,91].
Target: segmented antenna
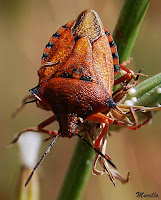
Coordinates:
[50,146]
[32,101]
[41,159]
[96,150]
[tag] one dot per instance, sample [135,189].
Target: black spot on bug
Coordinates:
[56,35]
[49,45]
[107,33]
[80,70]
[45,55]
[64,26]
[115,55]
[64,74]
[43,58]
[86,78]
[74,70]
[110,103]
[35,90]
[112,44]
[70,76]
[116,68]
[77,38]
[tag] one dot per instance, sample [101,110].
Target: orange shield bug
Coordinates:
[76,81]
[77,74]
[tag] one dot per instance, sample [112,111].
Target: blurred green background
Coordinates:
[25,28]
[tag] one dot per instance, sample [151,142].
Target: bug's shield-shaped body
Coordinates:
[77,79]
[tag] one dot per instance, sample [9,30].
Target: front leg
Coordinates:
[39,128]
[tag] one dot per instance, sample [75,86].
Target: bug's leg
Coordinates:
[134,116]
[95,171]
[39,128]
[103,132]
[149,117]
[45,123]
[100,141]
[124,122]
[120,94]
[148,112]
[25,100]
[128,76]
[134,125]
[100,117]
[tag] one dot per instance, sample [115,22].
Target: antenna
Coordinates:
[96,150]
[32,101]
[41,159]
[50,146]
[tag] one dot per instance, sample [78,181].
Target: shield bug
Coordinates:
[76,81]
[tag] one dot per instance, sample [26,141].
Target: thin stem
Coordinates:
[148,92]
[128,26]
[78,172]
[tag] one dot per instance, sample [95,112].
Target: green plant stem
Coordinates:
[78,172]
[127,29]
[128,26]
[147,93]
